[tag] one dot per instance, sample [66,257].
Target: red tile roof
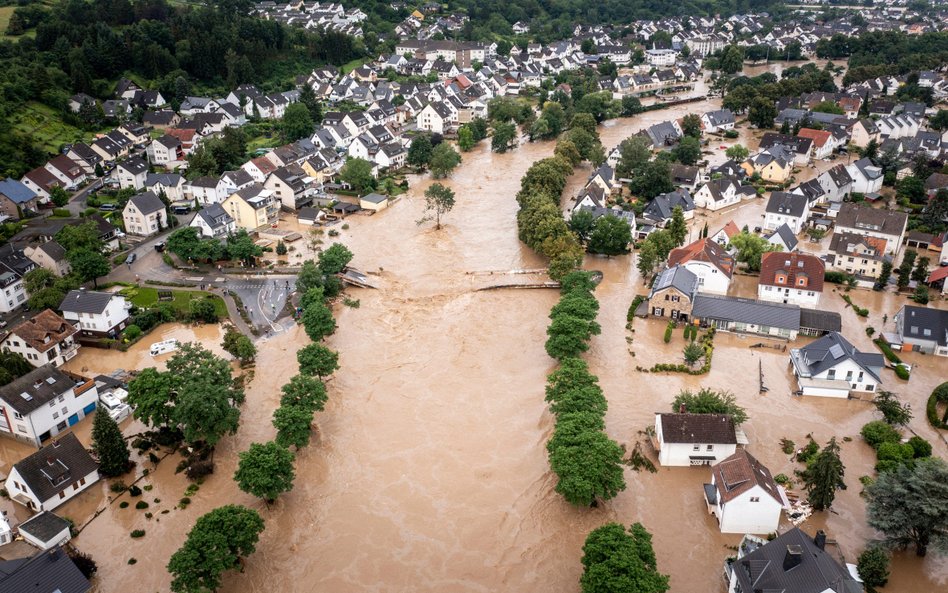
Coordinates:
[44,330]
[739,473]
[792,268]
[819,137]
[704,250]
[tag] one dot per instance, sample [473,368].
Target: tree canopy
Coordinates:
[265,470]
[618,559]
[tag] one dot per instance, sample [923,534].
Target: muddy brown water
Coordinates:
[429,472]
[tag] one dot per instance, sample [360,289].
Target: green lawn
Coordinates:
[45,126]
[350,66]
[147,296]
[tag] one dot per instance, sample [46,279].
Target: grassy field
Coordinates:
[146,296]
[350,66]
[45,126]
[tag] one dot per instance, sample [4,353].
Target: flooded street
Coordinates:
[429,470]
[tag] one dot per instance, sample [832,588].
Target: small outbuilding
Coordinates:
[374,202]
[45,530]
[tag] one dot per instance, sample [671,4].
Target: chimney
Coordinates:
[820,539]
[793,558]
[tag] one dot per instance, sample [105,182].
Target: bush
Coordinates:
[809,452]
[887,351]
[138,533]
[123,504]
[895,452]
[940,393]
[141,504]
[132,561]
[878,432]
[200,469]
[731,134]
[836,277]
[132,332]
[920,447]
[668,332]
[134,490]
[61,212]
[185,501]
[635,305]
[118,486]
[782,479]
[902,372]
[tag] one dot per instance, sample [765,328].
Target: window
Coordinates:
[18,416]
[696,448]
[82,481]
[21,428]
[55,415]
[65,411]
[849,375]
[52,403]
[62,495]
[710,448]
[62,398]
[61,425]
[831,374]
[755,499]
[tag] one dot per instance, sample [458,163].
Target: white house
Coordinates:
[131,173]
[836,183]
[832,367]
[99,314]
[791,278]
[719,120]
[786,208]
[43,403]
[743,495]
[144,215]
[214,221]
[721,193]
[54,474]
[44,338]
[867,221]
[45,530]
[436,117]
[867,178]
[694,439]
[707,260]
[661,57]
[164,150]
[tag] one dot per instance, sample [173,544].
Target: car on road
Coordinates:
[160,247]
[181,209]
[108,207]
[3,323]
[131,258]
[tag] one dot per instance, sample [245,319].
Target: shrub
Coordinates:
[809,452]
[870,331]
[132,561]
[132,332]
[61,212]
[902,372]
[890,451]
[123,504]
[782,479]
[877,432]
[887,351]
[141,504]
[920,447]
[635,305]
[134,490]
[668,331]
[787,446]
[940,393]
[731,134]
[200,469]
[118,486]
[184,502]
[836,277]
[138,533]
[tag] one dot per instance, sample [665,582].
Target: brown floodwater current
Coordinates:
[428,471]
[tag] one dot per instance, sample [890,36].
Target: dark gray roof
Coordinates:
[54,250]
[147,202]
[662,206]
[749,311]
[920,319]
[47,572]
[44,526]
[767,568]
[829,321]
[374,198]
[215,216]
[781,202]
[35,389]
[677,277]
[134,165]
[698,428]
[867,218]
[86,301]
[832,349]
[786,235]
[307,213]
[56,466]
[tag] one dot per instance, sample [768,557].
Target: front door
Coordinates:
[74,419]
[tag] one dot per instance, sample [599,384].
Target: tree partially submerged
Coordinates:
[265,470]
[439,200]
[824,477]
[109,445]
[708,401]
[616,559]
[217,543]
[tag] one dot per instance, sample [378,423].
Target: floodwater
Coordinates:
[429,471]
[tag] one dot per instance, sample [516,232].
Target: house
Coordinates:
[707,260]
[49,255]
[85,157]
[799,147]
[54,474]
[793,562]
[744,496]
[694,439]
[773,164]
[836,183]
[67,171]
[832,367]
[722,192]
[374,202]
[169,184]
[131,173]
[921,329]
[859,255]
[863,132]
[44,403]
[663,134]
[14,265]
[41,182]
[867,178]
[45,338]
[786,208]
[672,293]
[436,117]
[683,176]
[938,280]
[719,120]
[214,221]
[291,186]
[161,120]
[96,314]
[784,238]
[252,207]
[746,316]
[16,199]
[791,278]
[165,150]
[661,208]
[861,219]
[259,168]
[724,234]
[51,570]
[145,215]
[45,530]
[824,143]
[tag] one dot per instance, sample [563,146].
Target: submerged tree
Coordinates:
[109,445]
[616,559]
[265,470]
[824,477]
[439,200]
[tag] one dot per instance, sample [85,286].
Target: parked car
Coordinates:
[131,258]
[181,209]
[108,208]
[160,247]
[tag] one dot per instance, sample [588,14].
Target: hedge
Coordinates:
[887,350]
[668,331]
[635,305]
[859,310]
[902,373]
[707,340]
[931,409]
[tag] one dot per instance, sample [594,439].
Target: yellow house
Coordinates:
[417,14]
[774,164]
[252,207]
[317,170]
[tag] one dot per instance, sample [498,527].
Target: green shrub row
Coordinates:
[887,350]
[891,452]
[668,331]
[707,342]
[939,394]
[859,310]
[635,305]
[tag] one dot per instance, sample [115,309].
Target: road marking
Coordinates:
[195,278]
[219,279]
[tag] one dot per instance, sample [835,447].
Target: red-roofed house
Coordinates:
[707,260]
[259,168]
[189,138]
[41,182]
[791,278]
[723,236]
[824,143]
[744,496]
[937,279]
[66,170]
